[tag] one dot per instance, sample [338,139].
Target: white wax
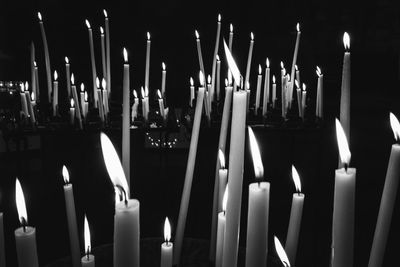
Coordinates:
[249,58]
[266,91]
[68,75]
[47,61]
[214,64]
[236,157]
[72,226]
[343,217]
[220,239]
[100,105]
[77,107]
[188,176]
[33,77]
[82,101]
[37,94]
[30,106]
[292,73]
[161,106]
[126,138]
[298,76]
[292,237]
[26,247]
[303,102]
[2,249]
[103,55]
[257,225]
[299,102]
[191,96]
[200,56]
[72,115]
[88,262]
[147,70]
[273,95]
[386,208]
[166,254]
[222,181]
[93,64]
[86,109]
[163,78]
[105,102]
[345,96]
[24,105]
[218,80]
[55,98]
[258,94]
[127,234]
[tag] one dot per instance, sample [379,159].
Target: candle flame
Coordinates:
[146,91]
[247,85]
[191,81]
[163,66]
[101,30]
[20,201]
[134,93]
[72,79]
[346,41]
[343,145]
[125,53]
[282,65]
[113,164]
[197,34]
[209,79]
[298,27]
[87,24]
[86,97]
[39,16]
[226,82]
[82,87]
[167,230]
[318,71]
[22,87]
[221,158]
[142,92]
[33,96]
[34,64]
[273,79]
[159,94]
[252,36]
[256,155]
[296,179]
[65,174]
[105,13]
[267,63]
[26,86]
[304,87]
[148,36]
[55,75]
[232,64]
[281,252]
[229,77]
[288,77]
[259,69]
[201,78]
[66,60]
[217,57]
[97,82]
[225,198]
[86,231]
[395,126]
[72,103]
[297,84]
[103,84]
[219,17]
[231,28]
[296,67]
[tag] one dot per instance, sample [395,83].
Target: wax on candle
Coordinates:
[86,105]
[320,94]
[230,42]
[297,73]
[82,99]
[126,139]
[46,57]
[161,104]
[281,252]
[103,52]
[88,260]
[266,88]
[100,99]
[55,94]
[345,88]
[71,217]
[299,102]
[37,82]
[105,96]
[167,247]
[67,71]
[221,230]
[222,178]
[273,91]
[93,63]
[135,106]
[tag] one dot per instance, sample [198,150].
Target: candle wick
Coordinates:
[87,253]
[23,223]
[259,184]
[346,167]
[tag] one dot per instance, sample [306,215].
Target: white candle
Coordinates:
[105,97]
[258,92]
[296,213]
[126,138]
[29,103]
[283,89]
[249,58]
[222,179]
[67,72]
[46,57]
[266,88]
[303,100]
[191,98]
[387,201]
[199,54]
[343,206]
[163,77]
[258,211]
[71,217]
[207,99]
[100,99]
[221,230]
[135,106]
[33,77]
[273,91]
[55,94]
[345,88]
[218,79]
[72,112]
[146,93]
[230,42]
[37,82]
[25,236]
[93,63]
[88,259]
[147,70]
[320,94]
[214,64]
[299,102]
[248,96]
[107,31]
[167,247]
[297,73]
[24,105]
[82,99]
[103,52]
[86,105]
[2,249]
[143,103]
[161,104]
[189,172]
[292,73]
[76,102]
[281,252]
[126,218]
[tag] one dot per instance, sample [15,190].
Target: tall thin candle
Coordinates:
[67,72]
[258,90]
[147,70]
[221,230]
[218,79]
[108,61]
[249,58]
[103,52]
[55,94]
[126,138]
[292,73]
[199,54]
[93,64]
[33,77]
[266,88]
[46,57]
[214,64]
[345,88]
[163,77]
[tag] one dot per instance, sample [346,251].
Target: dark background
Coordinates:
[157,175]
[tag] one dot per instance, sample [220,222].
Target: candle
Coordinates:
[29,103]
[135,106]
[283,89]
[343,205]
[25,236]
[46,56]
[100,99]
[167,247]
[105,97]
[199,54]
[76,102]
[103,52]
[303,101]
[71,217]
[320,94]
[249,57]
[93,63]
[218,80]
[281,252]
[191,92]
[296,213]
[126,138]
[33,77]
[146,96]
[148,45]
[299,102]
[214,64]
[37,81]
[86,104]
[387,201]
[88,260]
[273,91]
[297,73]
[55,94]
[161,104]
[163,77]
[2,250]
[189,171]
[207,99]
[126,218]
[258,92]
[143,103]
[107,33]
[292,73]
[266,88]
[67,71]
[230,42]
[82,99]
[222,178]
[345,88]
[72,112]
[24,105]
[258,211]
[248,96]
[221,230]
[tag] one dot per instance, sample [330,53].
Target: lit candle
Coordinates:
[126,138]
[296,213]
[214,64]
[161,104]
[199,54]
[297,73]
[163,77]
[167,247]
[258,92]
[46,57]
[72,112]
[273,91]
[32,103]
[143,103]
[222,178]
[292,73]
[25,236]
[218,79]
[299,102]
[257,219]
[387,201]
[191,92]
[2,250]
[55,94]
[105,97]
[93,63]
[221,230]
[248,96]
[33,100]
[146,95]
[343,205]
[249,58]
[71,217]
[266,88]
[135,106]
[37,81]
[29,103]
[281,252]
[283,89]
[86,105]
[230,42]
[88,259]
[82,99]
[320,94]
[100,99]
[33,77]
[67,71]
[303,101]
[24,105]
[189,171]
[107,33]
[126,218]
[207,99]
[103,52]
[76,102]
[236,158]
[345,88]
[147,70]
